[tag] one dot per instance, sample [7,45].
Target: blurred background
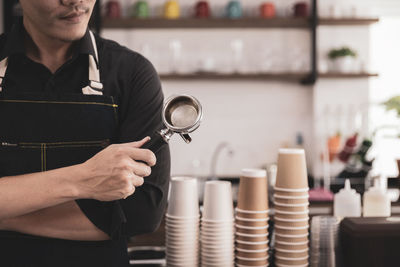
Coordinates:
[271,74]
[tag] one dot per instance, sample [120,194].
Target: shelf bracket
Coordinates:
[313,76]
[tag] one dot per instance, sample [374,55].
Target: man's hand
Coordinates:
[115,172]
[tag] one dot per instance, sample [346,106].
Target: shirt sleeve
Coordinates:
[139,116]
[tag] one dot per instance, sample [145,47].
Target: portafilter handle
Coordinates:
[158,139]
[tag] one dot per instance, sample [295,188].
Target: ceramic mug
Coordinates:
[202,9]
[301,9]
[113,9]
[234,9]
[267,10]
[142,9]
[171,9]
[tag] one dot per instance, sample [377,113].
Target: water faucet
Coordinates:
[215,156]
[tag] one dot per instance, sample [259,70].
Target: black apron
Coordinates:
[44,131]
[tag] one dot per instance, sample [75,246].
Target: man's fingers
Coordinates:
[140,143]
[144,155]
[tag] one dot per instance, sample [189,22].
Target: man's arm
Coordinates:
[65,221]
[33,203]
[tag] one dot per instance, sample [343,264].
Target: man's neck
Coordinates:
[51,52]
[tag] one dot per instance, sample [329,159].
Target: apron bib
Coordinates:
[45,131]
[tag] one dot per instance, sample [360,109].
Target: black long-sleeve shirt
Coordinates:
[135,85]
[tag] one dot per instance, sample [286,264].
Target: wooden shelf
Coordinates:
[235,76]
[347,75]
[160,23]
[347,22]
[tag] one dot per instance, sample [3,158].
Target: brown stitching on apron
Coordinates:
[115,110]
[58,102]
[67,142]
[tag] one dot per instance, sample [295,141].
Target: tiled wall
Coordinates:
[255,117]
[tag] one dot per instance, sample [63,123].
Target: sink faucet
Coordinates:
[215,156]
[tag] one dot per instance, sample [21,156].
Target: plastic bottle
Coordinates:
[376,202]
[347,203]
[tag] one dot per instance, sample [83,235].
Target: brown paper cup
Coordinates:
[302,193]
[291,238]
[292,210]
[252,254]
[292,169]
[252,238]
[251,262]
[291,231]
[298,203]
[282,221]
[291,262]
[240,221]
[292,216]
[292,246]
[290,255]
[253,190]
[251,231]
[251,215]
[251,246]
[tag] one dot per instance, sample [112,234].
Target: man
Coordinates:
[72,107]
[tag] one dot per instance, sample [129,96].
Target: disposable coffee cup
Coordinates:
[252,231]
[252,238]
[253,190]
[292,246]
[183,199]
[252,245]
[290,215]
[283,221]
[291,191]
[290,230]
[240,265]
[281,262]
[292,169]
[218,203]
[294,254]
[280,212]
[278,204]
[251,215]
[251,262]
[291,238]
[293,202]
[244,253]
[291,260]
[292,209]
[252,223]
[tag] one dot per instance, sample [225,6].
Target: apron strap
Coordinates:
[95,87]
[3,68]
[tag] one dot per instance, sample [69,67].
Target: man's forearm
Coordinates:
[27,193]
[65,221]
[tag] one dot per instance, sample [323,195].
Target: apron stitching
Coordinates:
[59,102]
[67,142]
[61,146]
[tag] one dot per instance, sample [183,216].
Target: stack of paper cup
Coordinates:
[291,209]
[252,219]
[217,225]
[182,223]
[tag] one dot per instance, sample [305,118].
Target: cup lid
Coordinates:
[291,151]
[254,173]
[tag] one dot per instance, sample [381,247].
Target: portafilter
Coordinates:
[181,114]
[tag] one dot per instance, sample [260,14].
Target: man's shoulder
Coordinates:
[114,53]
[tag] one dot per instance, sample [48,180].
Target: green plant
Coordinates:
[341,52]
[393,104]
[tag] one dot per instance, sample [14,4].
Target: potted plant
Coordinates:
[342,59]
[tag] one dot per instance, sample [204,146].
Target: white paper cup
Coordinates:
[218,203]
[183,198]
